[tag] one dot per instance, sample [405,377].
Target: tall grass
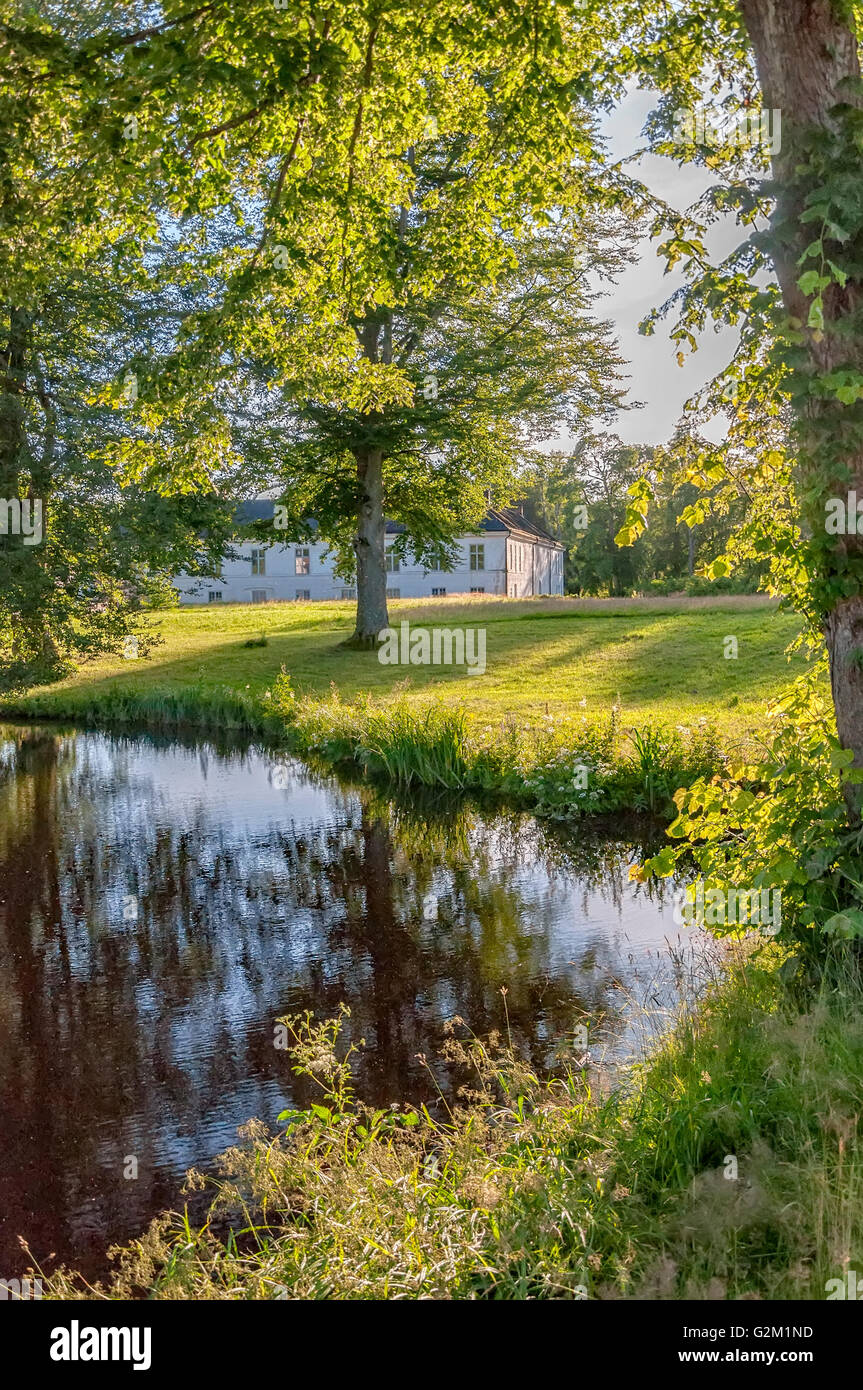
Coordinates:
[565,768]
[202,706]
[726,1166]
[425,742]
[429,746]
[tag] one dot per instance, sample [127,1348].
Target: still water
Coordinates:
[163,902]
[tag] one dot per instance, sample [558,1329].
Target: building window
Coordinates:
[477,557]
[438,593]
[259,596]
[302,563]
[393,562]
[304,594]
[477,591]
[214,596]
[394,593]
[259,561]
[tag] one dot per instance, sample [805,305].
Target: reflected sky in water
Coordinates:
[161,904]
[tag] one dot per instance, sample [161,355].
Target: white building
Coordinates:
[508,555]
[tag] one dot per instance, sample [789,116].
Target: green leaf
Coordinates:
[664,863]
[839,274]
[809,282]
[846,926]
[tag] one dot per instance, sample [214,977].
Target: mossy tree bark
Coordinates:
[808,65]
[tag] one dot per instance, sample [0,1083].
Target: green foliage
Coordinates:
[586,500]
[81,298]
[331,207]
[567,769]
[488,372]
[793,395]
[777,823]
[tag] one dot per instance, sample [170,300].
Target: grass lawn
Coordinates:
[663,658]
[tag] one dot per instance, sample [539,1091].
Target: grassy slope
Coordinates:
[663,658]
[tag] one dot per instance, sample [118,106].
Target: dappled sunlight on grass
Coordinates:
[660,658]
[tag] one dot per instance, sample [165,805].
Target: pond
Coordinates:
[164,901]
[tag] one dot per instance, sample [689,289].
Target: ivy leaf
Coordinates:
[839,274]
[809,282]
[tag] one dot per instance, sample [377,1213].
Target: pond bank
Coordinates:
[568,767]
[728,1168]
[166,900]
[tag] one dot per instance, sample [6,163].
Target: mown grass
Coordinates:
[661,660]
[727,1166]
[636,694]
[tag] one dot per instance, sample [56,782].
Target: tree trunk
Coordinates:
[18,564]
[375,339]
[804,51]
[13,368]
[370,548]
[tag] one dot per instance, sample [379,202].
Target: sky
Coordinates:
[655,377]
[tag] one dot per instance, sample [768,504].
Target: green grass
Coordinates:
[539,1188]
[662,658]
[728,1166]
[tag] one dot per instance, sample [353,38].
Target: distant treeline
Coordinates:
[581,499]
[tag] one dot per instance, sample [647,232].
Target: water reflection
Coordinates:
[161,904]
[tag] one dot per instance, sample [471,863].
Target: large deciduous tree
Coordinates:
[792,289]
[75,303]
[365,224]
[487,372]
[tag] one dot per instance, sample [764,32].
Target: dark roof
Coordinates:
[511,519]
[496,519]
[261,510]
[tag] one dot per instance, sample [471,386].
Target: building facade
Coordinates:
[508,556]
